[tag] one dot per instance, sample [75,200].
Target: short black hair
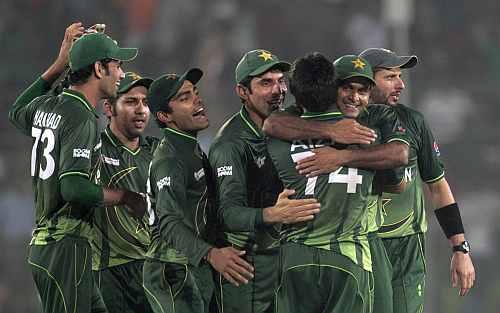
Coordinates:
[313,82]
[82,75]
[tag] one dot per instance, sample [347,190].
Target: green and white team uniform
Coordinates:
[404,221]
[334,246]
[176,276]
[120,241]
[65,139]
[246,182]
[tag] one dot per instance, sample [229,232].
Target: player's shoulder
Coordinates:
[410,114]
[232,133]
[152,142]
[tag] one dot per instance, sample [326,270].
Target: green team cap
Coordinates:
[97,46]
[132,80]
[349,66]
[384,58]
[256,62]
[166,86]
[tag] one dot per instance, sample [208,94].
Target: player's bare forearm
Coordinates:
[441,194]
[381,157]
[289,127]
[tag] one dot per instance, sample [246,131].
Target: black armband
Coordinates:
[450,220]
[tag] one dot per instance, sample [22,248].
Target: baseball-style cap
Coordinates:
[166,86]
[97,46]
[256,62]
[349,66]
[380,57]
[132,80]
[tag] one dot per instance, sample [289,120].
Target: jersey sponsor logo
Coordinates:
[260,161]
[46,120]
[225,171]
[199,175]
[165,181]
[111,161]
[81,153]
[436,148]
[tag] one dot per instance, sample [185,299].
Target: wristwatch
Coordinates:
[463,247]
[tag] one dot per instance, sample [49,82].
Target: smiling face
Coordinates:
[389,86]
[187,110]
[110,76]
[266,93]
[352,97]
[130,114]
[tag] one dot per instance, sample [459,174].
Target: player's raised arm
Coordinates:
[43,84]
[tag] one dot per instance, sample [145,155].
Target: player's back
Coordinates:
[343,194]
[64,132]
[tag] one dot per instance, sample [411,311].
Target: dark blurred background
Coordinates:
[455,85]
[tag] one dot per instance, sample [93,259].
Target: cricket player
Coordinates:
[332,252]
[178,271]
[248,187]
[405,222]
[120,241]
[65,140]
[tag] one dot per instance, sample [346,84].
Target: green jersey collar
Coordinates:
[80,97]
[117,143]
[250,123]
[322,115]
[180,134]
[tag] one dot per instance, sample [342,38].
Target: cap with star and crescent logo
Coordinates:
[131,80]
[349,66]
[256,62]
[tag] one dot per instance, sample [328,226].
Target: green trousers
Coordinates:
[178,288]
[121,288]
[317,280]
[407,256]
[62,271]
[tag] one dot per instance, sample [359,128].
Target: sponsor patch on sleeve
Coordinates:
[165,181]
[225,171]
[81,153]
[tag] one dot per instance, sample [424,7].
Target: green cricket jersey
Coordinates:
[118,237]
[345,195]
[65,138]
[405,212]
[179,206]
[246,183]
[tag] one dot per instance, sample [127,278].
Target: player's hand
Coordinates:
[229,262]
[290,211]
[462,272]
[349,131]
[135,203]
[73,32]
[324,160]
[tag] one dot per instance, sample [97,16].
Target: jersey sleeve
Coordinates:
[79,138]
[171,184]
[429,164]
[22,111]
[228,161]
[386,121]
